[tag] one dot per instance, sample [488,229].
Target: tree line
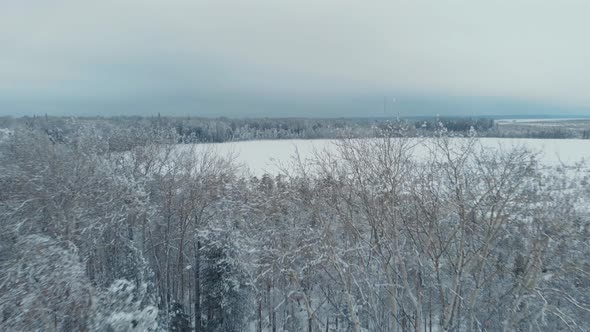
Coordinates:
[217,130]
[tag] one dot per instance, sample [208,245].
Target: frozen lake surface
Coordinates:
[266,156]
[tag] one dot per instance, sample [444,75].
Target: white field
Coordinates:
[538,120]
[266,156]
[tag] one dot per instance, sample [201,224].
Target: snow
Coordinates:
[4,133]
[267,156]
[538,120]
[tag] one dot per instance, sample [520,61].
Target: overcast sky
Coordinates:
[304,57]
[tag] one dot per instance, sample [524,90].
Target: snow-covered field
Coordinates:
[538,120]
[267,156]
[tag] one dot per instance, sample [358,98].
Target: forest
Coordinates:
[113,226]
[217,130]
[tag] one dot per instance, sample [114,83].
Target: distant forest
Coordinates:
[123,133]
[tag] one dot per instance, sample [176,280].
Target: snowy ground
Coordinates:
[538,120]
[266,156]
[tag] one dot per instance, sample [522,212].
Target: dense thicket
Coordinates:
[125,230]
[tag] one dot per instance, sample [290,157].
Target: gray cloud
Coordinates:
[270,53]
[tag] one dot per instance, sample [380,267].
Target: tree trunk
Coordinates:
[270,307]
[260,314]
[197,287]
